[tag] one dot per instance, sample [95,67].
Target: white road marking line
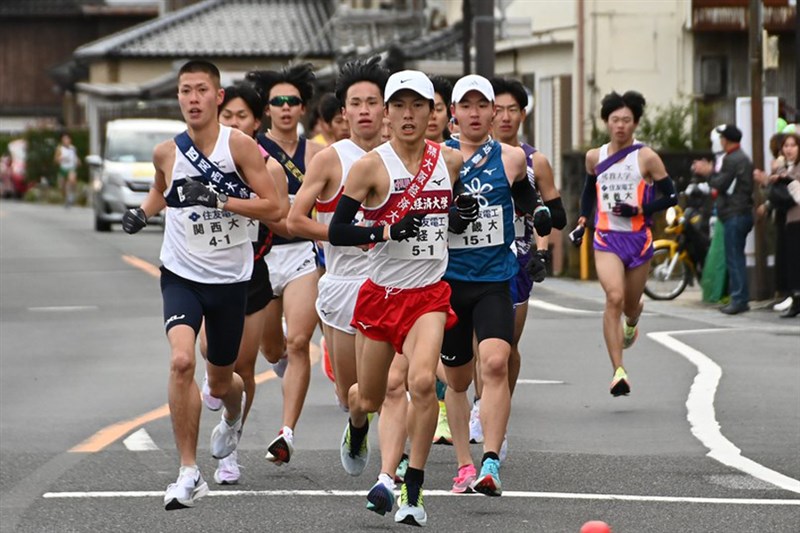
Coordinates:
[446,493]
[702,417]
[539,382]
[64,308]
[560,309]
[140,441]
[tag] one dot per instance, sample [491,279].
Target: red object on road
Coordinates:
[595,526]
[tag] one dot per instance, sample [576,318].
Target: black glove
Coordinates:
[542,222]
[133,220]
[406,228]
[622,209]
[467,207]
[537,265]
[196,193]
[576,235]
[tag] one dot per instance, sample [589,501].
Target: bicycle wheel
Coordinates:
[663,284]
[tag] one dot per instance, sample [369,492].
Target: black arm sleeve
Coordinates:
[668,196]
[589,195]
[526,199]
[557,213]
[342,232]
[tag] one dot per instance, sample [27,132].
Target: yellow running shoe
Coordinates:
[620,385]
[442,434]
[629,335]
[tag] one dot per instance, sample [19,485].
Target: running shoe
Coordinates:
[783,306]
[225,436]
[354,461]
[402,468]
[620,385]
[280,367]
[189,488]
[503,449]
[227,472]
[213,403]
[462,483]
[629,335]
[442,434]
[411,512]
[488,482]
[475,428]
[327,364]
[380,498]
[280,450]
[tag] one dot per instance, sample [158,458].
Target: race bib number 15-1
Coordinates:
[486,231]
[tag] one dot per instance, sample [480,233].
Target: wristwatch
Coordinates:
[222,199]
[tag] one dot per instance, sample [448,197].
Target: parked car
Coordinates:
[124,175]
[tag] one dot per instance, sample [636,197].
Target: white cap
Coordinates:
[472,82]
[413,80]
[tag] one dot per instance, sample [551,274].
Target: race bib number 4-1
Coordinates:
[486,231]
[211,230]
[430,243]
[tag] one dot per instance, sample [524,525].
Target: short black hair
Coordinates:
[248,94]
[443,86]
[512,87]
[201,65]
[359,70]
[328,107]
[301,76]
[631,99]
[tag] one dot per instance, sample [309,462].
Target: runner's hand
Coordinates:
[467,207]
[407,228]
[542,222]
[537,265]
[196,193]
[621,209]
[133,220]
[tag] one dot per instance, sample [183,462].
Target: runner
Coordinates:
[241,109]
[621,180]
[404,189]
[66,157]
[481,264]
[292,261]
[332,123]
[207,261]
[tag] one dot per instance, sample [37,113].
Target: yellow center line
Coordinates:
[110,434]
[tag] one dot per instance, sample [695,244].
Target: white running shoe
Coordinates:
[280,367]
[227,472]
[213,403]
[783,306]
[280,450]
[354,461]
[225,436]
[189,488]
[503,449]
[475,428]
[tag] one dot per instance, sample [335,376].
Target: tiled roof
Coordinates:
[226,28]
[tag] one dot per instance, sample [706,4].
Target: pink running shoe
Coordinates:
[462,483]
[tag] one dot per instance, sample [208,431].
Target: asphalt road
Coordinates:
[708,440]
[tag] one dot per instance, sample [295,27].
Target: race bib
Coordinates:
[252,229]
[212,230]
[617,192]
[431,243]
[486,231]
[519,225]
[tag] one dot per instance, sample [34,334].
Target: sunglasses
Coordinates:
[279,101]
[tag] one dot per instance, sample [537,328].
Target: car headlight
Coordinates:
[671,215]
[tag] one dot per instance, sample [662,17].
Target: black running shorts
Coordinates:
[259,290]
[187,302]
[484,308]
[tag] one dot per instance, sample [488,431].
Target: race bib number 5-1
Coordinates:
[211,230]
[486,231]
[430,243]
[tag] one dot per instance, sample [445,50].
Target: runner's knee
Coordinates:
[182,363]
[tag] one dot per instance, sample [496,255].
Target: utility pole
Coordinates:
[484,38]
[466,44]
[761,289]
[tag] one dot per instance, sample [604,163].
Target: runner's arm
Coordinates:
[299,222]
[267,207]
[545,183]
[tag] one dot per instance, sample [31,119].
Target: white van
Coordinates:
[124,175]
